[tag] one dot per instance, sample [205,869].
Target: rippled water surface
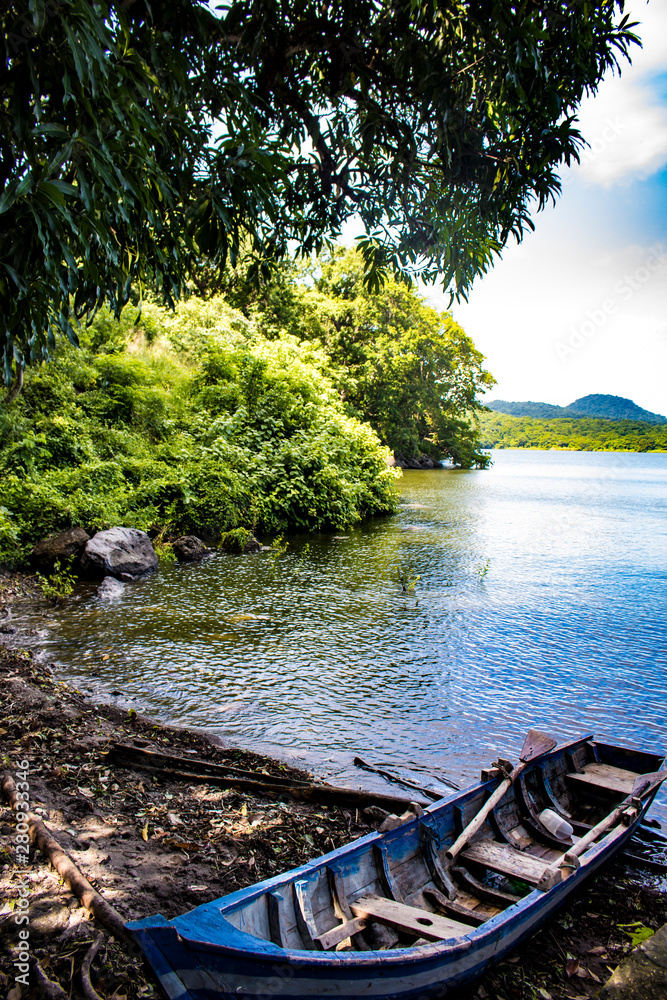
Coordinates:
[540,599]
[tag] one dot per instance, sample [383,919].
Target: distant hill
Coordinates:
[599,406]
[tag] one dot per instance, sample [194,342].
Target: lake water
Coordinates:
[536,596]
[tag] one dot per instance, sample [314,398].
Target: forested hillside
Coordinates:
[598,405]
[498,430]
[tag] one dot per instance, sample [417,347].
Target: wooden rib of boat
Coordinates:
[391,915]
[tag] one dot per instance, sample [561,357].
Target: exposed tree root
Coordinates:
[80,886]
[87,986]
[46,987]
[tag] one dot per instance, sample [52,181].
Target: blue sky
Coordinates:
[580,306]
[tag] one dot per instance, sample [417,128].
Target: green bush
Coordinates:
[184,422]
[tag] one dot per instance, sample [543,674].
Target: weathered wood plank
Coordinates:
[411,919]
[342,907]
[304,915]
[389,883]
[453,908]
[606,777]
[502,858]
[346,930]
[484,892]
[277,922]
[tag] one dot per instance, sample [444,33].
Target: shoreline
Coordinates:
[152,844]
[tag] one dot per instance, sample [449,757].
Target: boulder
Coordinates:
[125,553]
[189,548]
[426,462]
[59,548]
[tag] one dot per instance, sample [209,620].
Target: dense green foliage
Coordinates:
[137,138]
[499,430]
[190,421]
[597,405]
[409,371]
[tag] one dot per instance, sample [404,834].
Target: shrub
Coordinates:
[184,422]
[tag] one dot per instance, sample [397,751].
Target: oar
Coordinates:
[535,745]
[431,792]
[645,785]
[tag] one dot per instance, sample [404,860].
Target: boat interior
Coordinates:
[399,890]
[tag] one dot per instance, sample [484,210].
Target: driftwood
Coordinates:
[80,886]
[204,772]
[88,989]
[432,793]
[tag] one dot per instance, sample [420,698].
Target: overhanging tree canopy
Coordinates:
[137,138]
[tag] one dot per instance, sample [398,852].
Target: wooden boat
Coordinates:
[394,915]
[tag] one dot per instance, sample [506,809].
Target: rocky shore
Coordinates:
[148,845]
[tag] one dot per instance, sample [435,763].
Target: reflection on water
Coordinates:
[540,599]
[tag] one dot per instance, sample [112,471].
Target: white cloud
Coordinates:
[626,128]
[565,314]
[626,122]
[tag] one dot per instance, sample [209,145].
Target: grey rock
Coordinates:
[189,548]
[125,553]
[252,545]
[426,462]
[110,588]
[59,548]
[641,976]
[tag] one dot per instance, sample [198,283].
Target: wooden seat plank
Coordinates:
[605,777]
[504,859]
[341,933]
[411,919]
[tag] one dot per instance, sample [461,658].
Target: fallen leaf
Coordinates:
[183,845]
[14,993]
[599,949]
[571,967]
[174,819]
[544,993]
[144,832]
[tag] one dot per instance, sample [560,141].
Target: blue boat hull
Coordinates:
[203,955]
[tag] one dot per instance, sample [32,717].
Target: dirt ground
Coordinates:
[164,846]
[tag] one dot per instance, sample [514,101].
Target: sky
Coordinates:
[580,306]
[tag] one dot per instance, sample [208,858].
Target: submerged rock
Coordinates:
[189,548]
[239,540]
[58,548]
[125,553]
[110,588]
